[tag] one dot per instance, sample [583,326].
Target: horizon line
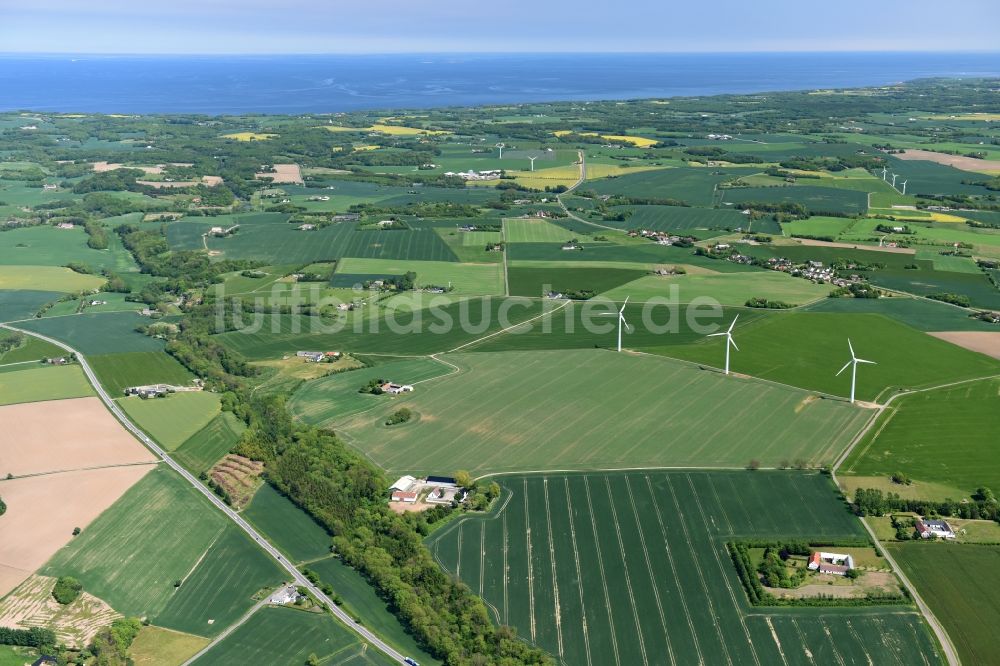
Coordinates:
[500,52]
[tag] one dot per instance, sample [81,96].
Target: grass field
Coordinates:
[808,348]
[534,231]
[286,525]
[485,279]
[47,278]
[154,535]
[693,185]
[680,219]
[818,226]
[45,245]
[117,372]
[620,568]
[728,289]
[17,656]
[921,314]
[42,382]
[816,199]
[592,409]
[204,448]
[535,282]
[289,636]
[23,303]
[175,418]
[32,349]
[958,582]
[324,401]
[103,333]
[946,436]
[156,646]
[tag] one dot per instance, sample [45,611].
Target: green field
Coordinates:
[323,401]
[816,199]
[946,436]
[287,526]
[289,636]
[808,348]
[680,219]
[160,531]
[18,304]
[47,278]
[204,448]
[31,349]
[818,226]
[48,246]
[921,314]
[173,419]
[98,333]
[465,279]
[534,231]
[630,568]
[535,282]
[575,409]
[728,288]
[694,185]
[959,583]
[42,382]
[117,372]
[17,656]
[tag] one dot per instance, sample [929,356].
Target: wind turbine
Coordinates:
[533,162]
[894,177]
[904,187]
[884,169]
[854,370]
[501,147]
[729,340]
[621,321]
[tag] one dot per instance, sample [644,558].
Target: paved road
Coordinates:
[218,503]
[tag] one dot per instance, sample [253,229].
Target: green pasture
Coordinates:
[97,333]
[326,400]
[816,198]
[631,568]
[465,279]
[728,289]
[32,382]
[574,409]
[470,246]
[959,583]
[46,245]
[533,230]
[945,436]
[204,448]
[289,636]
[117,372]
[694,185]
[535,282]
[287,526]
[818,226]
[47,278]
[173,419]
[31,349]
[808,348]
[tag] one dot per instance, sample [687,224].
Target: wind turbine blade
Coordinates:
[861,360]
[623,305]
[608,314]
[846,365]
[851,347]
[713,335]
[734,323]
[733,343]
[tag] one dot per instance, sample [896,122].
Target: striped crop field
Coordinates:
[590,409]
[631,568]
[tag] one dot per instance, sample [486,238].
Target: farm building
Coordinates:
[403,483]
[404,496]
[395,389]
[441,482]
[831,563]
[934,528]
[314,356]
[150,391]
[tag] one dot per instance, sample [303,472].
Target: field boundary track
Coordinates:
[270,549]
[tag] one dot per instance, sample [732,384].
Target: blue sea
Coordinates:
[332,83]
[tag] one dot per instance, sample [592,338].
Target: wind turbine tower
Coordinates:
[533,162]
[904,187]
[894,177]
[729,340]
[854,367]
[621,321]
[501,147]
[884,169]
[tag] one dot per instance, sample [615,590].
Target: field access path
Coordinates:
[943,638]
[296,575]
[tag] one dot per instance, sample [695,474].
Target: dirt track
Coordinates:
[62,435]
[43,510]
[984,342]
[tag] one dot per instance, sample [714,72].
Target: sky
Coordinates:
[439,26]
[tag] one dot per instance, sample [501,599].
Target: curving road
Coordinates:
[295,574]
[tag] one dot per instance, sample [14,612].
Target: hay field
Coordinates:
[984,342]
[249,136]
[42,382]
[31,605]
[63,435]
[47,278]
[595,409]
[631,568]
[43,510]
[534,231]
